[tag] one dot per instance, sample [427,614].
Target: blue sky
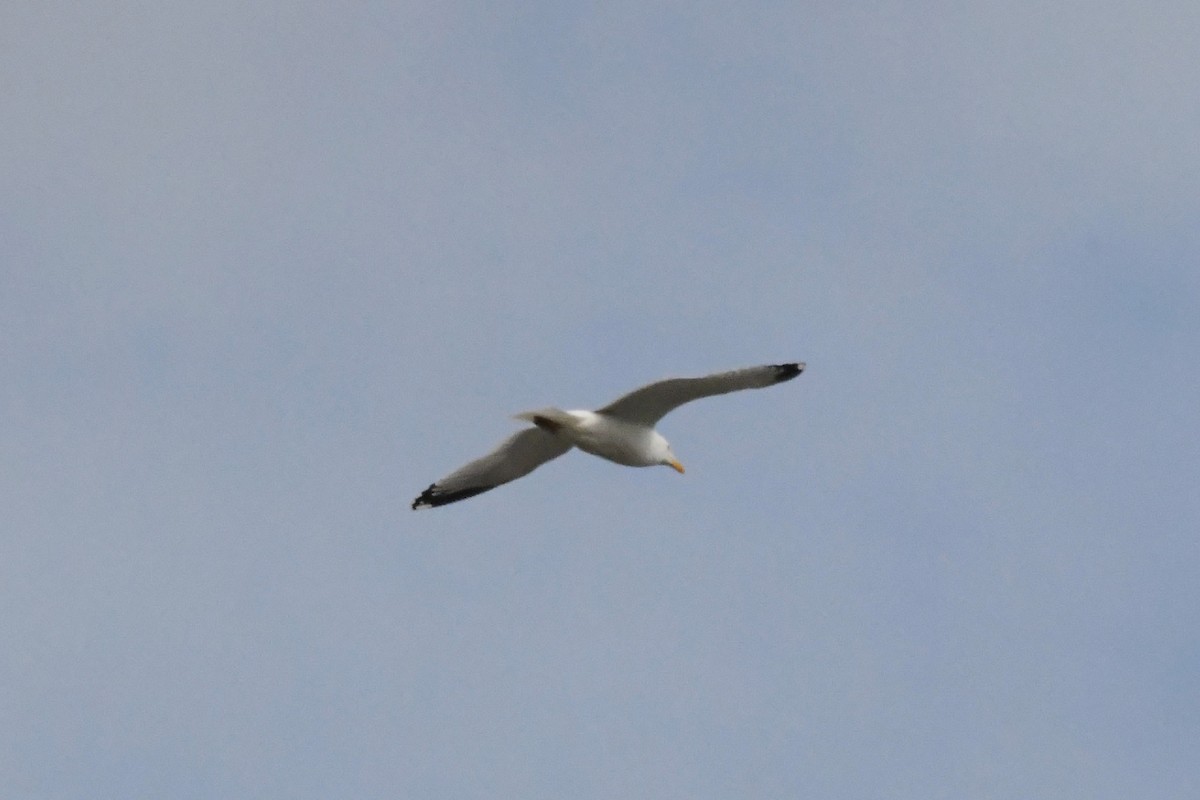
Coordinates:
[268,270]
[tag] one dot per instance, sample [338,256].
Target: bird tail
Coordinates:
[550,420]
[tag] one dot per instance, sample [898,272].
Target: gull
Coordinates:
[622,432]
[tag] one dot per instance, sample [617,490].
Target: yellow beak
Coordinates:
[675,465]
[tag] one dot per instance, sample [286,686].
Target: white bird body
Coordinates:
[609,437]
[622,432]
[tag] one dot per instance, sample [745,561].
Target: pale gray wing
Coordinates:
[649,404]
[516,457]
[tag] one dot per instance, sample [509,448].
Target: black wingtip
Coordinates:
[425,499]
[434,497]
[785,372]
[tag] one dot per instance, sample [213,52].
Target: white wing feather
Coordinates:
[516,457]
[650,403]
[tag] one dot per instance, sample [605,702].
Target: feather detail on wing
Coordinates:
[516,457]
[649,404]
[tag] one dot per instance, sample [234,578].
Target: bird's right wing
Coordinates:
[519,455]
[649,404]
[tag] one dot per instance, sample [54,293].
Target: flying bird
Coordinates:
[623,432]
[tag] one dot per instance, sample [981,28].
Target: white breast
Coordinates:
[614,439]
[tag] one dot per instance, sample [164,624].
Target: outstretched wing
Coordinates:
[649,404]
[519,455]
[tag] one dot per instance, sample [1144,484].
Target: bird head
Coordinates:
[666,456]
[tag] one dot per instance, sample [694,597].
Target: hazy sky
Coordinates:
[269,269]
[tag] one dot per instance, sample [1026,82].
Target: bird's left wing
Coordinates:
[649,404]
[516,457]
